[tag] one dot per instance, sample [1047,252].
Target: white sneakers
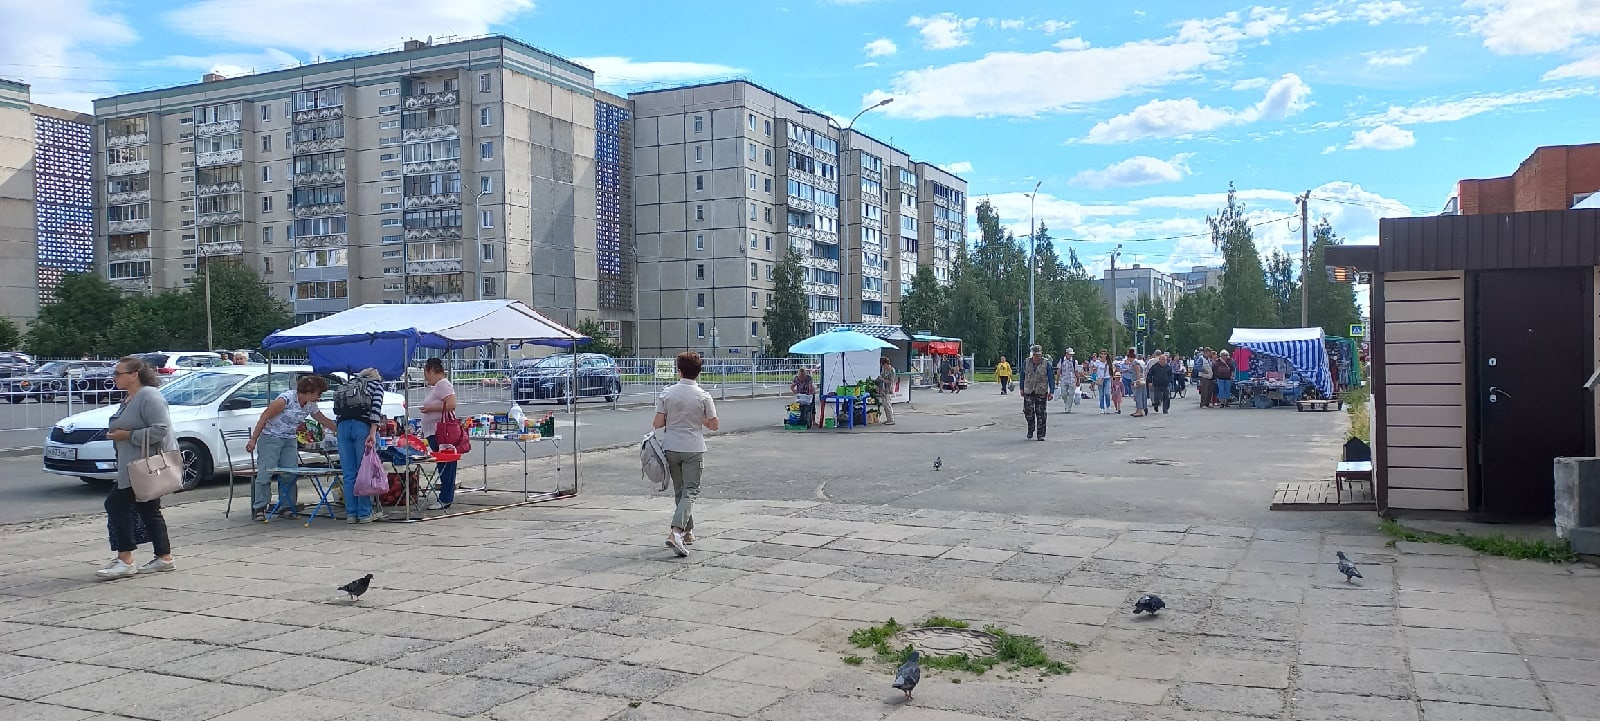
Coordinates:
[118,569]
[156,565]
[675,542]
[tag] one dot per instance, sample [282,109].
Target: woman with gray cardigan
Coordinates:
[141,427]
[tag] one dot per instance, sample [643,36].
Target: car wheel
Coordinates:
[614,391]
[196,463]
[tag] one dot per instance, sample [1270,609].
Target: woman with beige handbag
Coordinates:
[148,467]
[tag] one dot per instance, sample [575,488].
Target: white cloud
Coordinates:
[1382,11]
[959,167]
[1394,58]
[1383,137]
[1179,118]
[1588,67]
[943,31]
[40,42]
[320,26]
[1515,27]
[614,71]
[230,64]
[1252,84]
[1006,23]
[1071,44]
[1051,27]
[881,47]
[1447,111]
[1137,170]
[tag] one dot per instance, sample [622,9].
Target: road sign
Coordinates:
[1358,331]
[1143,321]
[513,346]
[666,369]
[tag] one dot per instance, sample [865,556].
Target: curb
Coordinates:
[21,451]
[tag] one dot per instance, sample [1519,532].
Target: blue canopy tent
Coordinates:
[1301,347]
[387,336]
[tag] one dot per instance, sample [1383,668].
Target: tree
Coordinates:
[1194,322]
[243,308]
[1333,305]
[926,306]
[1284,288]
[77,322]
[600,339]
[788,322]
[1246,301]
[973,319]
[10,336]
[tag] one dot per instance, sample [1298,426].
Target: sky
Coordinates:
[1133,118]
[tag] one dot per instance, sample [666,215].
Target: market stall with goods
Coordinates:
[386,336]
[939,362]
[1279,366]
[849,364]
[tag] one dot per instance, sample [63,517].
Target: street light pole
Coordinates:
[199,256]
[843,225]
[1033,248]
[1116,315]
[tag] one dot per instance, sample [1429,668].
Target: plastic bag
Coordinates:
[370,480]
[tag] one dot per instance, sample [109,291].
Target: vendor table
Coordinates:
[323,479]
[1262,393]
[522,445]
[429,470]
[852,403]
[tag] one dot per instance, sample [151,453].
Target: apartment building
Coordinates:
[1129,283]
[1200,277]
[46,200]
[728,176]
[478,169]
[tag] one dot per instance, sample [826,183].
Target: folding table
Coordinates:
[322,479]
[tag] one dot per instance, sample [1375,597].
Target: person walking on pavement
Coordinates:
[1202,371]
[1038,385]
[1100,378]
[1068,377]
[886,381]
[1222,373]
[684,412]
[1161,384]
[1137,377]
[1002,372]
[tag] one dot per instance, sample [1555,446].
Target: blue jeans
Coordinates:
[447,476]
[352,448]
[1224,390]
[275,452]
[1105,393]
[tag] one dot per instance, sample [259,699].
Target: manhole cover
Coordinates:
[950,641]
[1153,462]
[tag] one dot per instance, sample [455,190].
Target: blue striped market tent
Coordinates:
[1302,347]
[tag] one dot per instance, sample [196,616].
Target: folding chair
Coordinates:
[227,450]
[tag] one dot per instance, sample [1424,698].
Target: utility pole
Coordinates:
[1305,259]
[1116,315]
[1033,247]
[842,227]
[200,262]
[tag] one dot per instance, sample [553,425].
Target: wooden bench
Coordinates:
[1321,404]
[1351,471]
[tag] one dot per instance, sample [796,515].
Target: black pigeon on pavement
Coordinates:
[909,674]
[1348,568]
[357,587]
[938,463]
[1148,603]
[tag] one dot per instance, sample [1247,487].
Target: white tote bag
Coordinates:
[155,476]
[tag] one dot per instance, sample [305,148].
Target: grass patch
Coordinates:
[1355,403]
[1492,545]
[1015,651]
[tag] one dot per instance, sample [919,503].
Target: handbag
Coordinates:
[155,476]
[450,433]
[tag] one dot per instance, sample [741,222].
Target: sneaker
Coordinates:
[1041,437]
[259,516]
[156,565]
[437,506]
[1030,435]
[374,516]
[688,537]
[116,569]
[675,542]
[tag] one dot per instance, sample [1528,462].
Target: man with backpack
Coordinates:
[358,407]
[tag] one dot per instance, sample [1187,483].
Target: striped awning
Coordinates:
[890,333]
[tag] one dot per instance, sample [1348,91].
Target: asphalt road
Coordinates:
[27,493]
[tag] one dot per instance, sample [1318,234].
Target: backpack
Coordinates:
[653,462]
[353,401]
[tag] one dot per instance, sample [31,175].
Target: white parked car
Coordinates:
[206,404]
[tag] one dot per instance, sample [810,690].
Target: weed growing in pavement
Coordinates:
[942,622]
[853,660]
[1492,545]
[1355,403]
[1013,650]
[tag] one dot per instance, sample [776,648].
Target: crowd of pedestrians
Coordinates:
[1151,382]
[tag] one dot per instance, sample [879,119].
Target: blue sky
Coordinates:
[1135,116]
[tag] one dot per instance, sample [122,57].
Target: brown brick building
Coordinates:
[1553,178]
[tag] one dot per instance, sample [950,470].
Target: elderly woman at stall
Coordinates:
[274,442]
[441,399]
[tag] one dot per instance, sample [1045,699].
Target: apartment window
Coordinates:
[769,300]
[755,325]
[391,190]
[699,241]
[769,271]
[389,174]
[754,272]
[386,92]
[186,150]
[768,155]
[391,222]
[750,151]
[489,287]
[752,121]
[699,183]
[483,83]
[187,179]
[486,219]
[699,330]
[752,241]
[266,235]
[755,299]
[266,143]
[391,239]
[699,212]
[186,120]
[752,211]
[388,109]
[752,181]
[389,206]
[485,117]
[486,150]
[699,124]
[699,154]
[266,204]
[699,271]
[769,243]
[485,184]
[766,214]
[266,173]
[266,263]
[699,301]
[388,124]
[486,252]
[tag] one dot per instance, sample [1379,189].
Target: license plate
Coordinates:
[61,454]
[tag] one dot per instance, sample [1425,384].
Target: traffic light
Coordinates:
[1127,317]
[1143,322]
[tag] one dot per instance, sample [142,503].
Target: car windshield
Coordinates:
[51,368]
[555,361]
[199,388]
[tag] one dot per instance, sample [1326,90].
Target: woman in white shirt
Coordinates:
[683,411]
[441,398]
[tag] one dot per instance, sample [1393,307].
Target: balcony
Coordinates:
[318,114]
[135,196]
[319,177]
[130,167]
[325,145]
[827,238]
[227,217]
[314,211]
[436,298]
[822,263]
[429,202]
[942,201]
[332,240]
[226,127]
[871,223]
[871,272]
[121,255]
[425,267]
[825,316]
[218,157]
[132,285]
[804,148]
[218,250]
[872,295]
[432,132]
[223,188]
[128,141]
[801,204]
[429,167]
[802,233]
[431,100]
[821,183]
[823,289]
[419,234]
[123,227]
[878,319]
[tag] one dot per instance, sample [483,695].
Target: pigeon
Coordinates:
[1148,603]
[938,463]
[1348,568]
[357,587]
[909,673]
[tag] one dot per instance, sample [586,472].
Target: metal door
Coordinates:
[1532,354]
